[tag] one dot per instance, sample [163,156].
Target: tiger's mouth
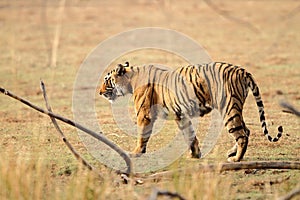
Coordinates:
[111,95]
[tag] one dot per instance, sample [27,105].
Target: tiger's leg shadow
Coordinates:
[186,127]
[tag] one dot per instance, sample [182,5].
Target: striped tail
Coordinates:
[260,105]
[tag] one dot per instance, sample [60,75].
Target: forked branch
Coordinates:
[99,137]
[64,139]
[252,165]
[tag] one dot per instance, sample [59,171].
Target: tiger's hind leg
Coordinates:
[237,128]
[233,150]
[186,127]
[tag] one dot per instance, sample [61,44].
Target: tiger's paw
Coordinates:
[233,159]
[231,153]
[196,155]
[135,155]
[137,152]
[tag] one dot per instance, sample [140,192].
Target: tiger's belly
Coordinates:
[172,112]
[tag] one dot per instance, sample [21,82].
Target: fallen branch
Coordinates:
[290,109]
[221,167]
[252,165]
[99,137]
[291,194]
[155,193]
[64,139]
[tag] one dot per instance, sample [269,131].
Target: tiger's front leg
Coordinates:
[145,125]
[186,127]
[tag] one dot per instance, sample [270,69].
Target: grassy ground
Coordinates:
[263,36]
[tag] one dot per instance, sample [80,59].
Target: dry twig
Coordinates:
[99,137]
[290,108]
[155,193]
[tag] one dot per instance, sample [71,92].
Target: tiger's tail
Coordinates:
[255,90]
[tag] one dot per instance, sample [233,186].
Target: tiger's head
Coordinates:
[116,83]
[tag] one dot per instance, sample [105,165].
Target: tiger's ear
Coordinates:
[121,69]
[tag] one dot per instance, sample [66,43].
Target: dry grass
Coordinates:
[36,165]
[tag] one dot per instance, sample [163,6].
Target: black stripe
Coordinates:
[183,84]
[234,105]
[185,72]
[270,138]
[228,106]
[260,104]
[229,72]
[241,136]
[255,91]
[191,75]
[159,76]
[262,116]
[208,83]
[152,94]
[218,80]
[199,96]
[213,74]
[231,118]
[235,129]
[178,110]
[222,102]
[177,91]
[279,135]
[163,93]
[164,82]
[149,75]
[185,100]
[180,71]
[239,83]
[201,88]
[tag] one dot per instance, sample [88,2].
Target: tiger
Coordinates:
[187,92]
